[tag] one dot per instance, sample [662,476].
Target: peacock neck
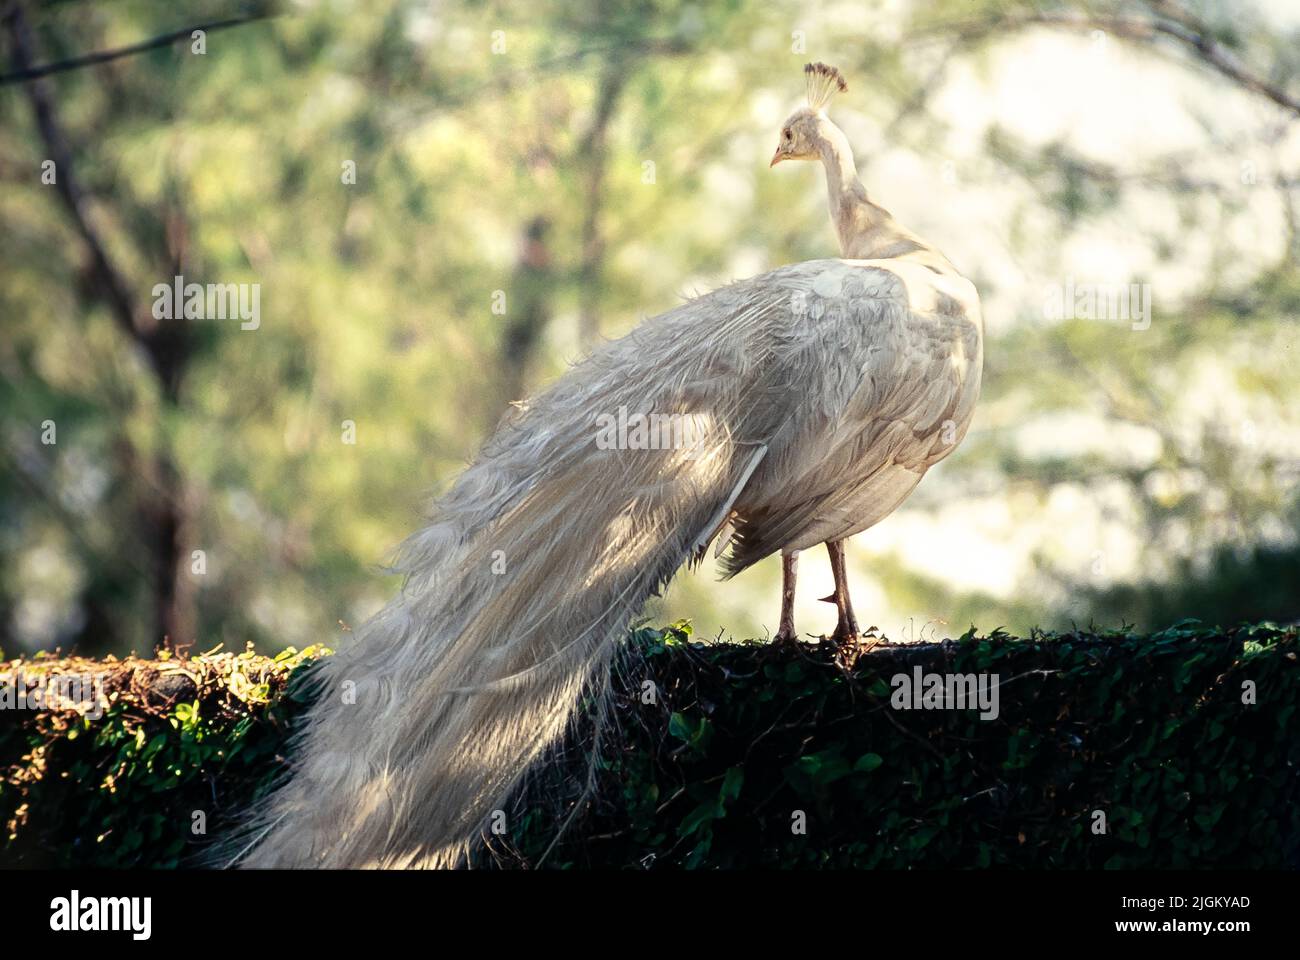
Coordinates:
[867,231]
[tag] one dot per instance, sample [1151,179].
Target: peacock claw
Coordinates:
[846,647]
[847,631]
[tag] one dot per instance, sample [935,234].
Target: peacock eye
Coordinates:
[789,135]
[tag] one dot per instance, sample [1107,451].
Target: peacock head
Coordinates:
[802,132]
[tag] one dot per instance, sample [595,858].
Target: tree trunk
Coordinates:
[595,147]
[166,345]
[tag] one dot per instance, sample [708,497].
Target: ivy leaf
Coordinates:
[868,762]
[731,784]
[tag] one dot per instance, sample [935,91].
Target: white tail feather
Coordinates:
[531,569]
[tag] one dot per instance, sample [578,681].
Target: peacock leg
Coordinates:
[789,566]
[846,631]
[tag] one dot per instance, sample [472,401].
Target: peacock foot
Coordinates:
[784,637]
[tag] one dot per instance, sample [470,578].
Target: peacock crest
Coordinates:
[824,81]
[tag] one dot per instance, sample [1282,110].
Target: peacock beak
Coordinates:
[776,158]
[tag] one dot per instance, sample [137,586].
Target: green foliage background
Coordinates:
[377,296]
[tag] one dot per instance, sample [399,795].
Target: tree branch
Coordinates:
[1190,34]
[164,347]
[116,290]
[30,71]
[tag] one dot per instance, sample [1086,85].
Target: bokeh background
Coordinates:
[532,176]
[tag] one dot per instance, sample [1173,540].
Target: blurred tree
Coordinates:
[383,172]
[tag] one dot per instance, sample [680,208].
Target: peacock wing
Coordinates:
[880,371]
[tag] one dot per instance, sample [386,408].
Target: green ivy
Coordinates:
[149,782]
[758,756]
[748,755]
